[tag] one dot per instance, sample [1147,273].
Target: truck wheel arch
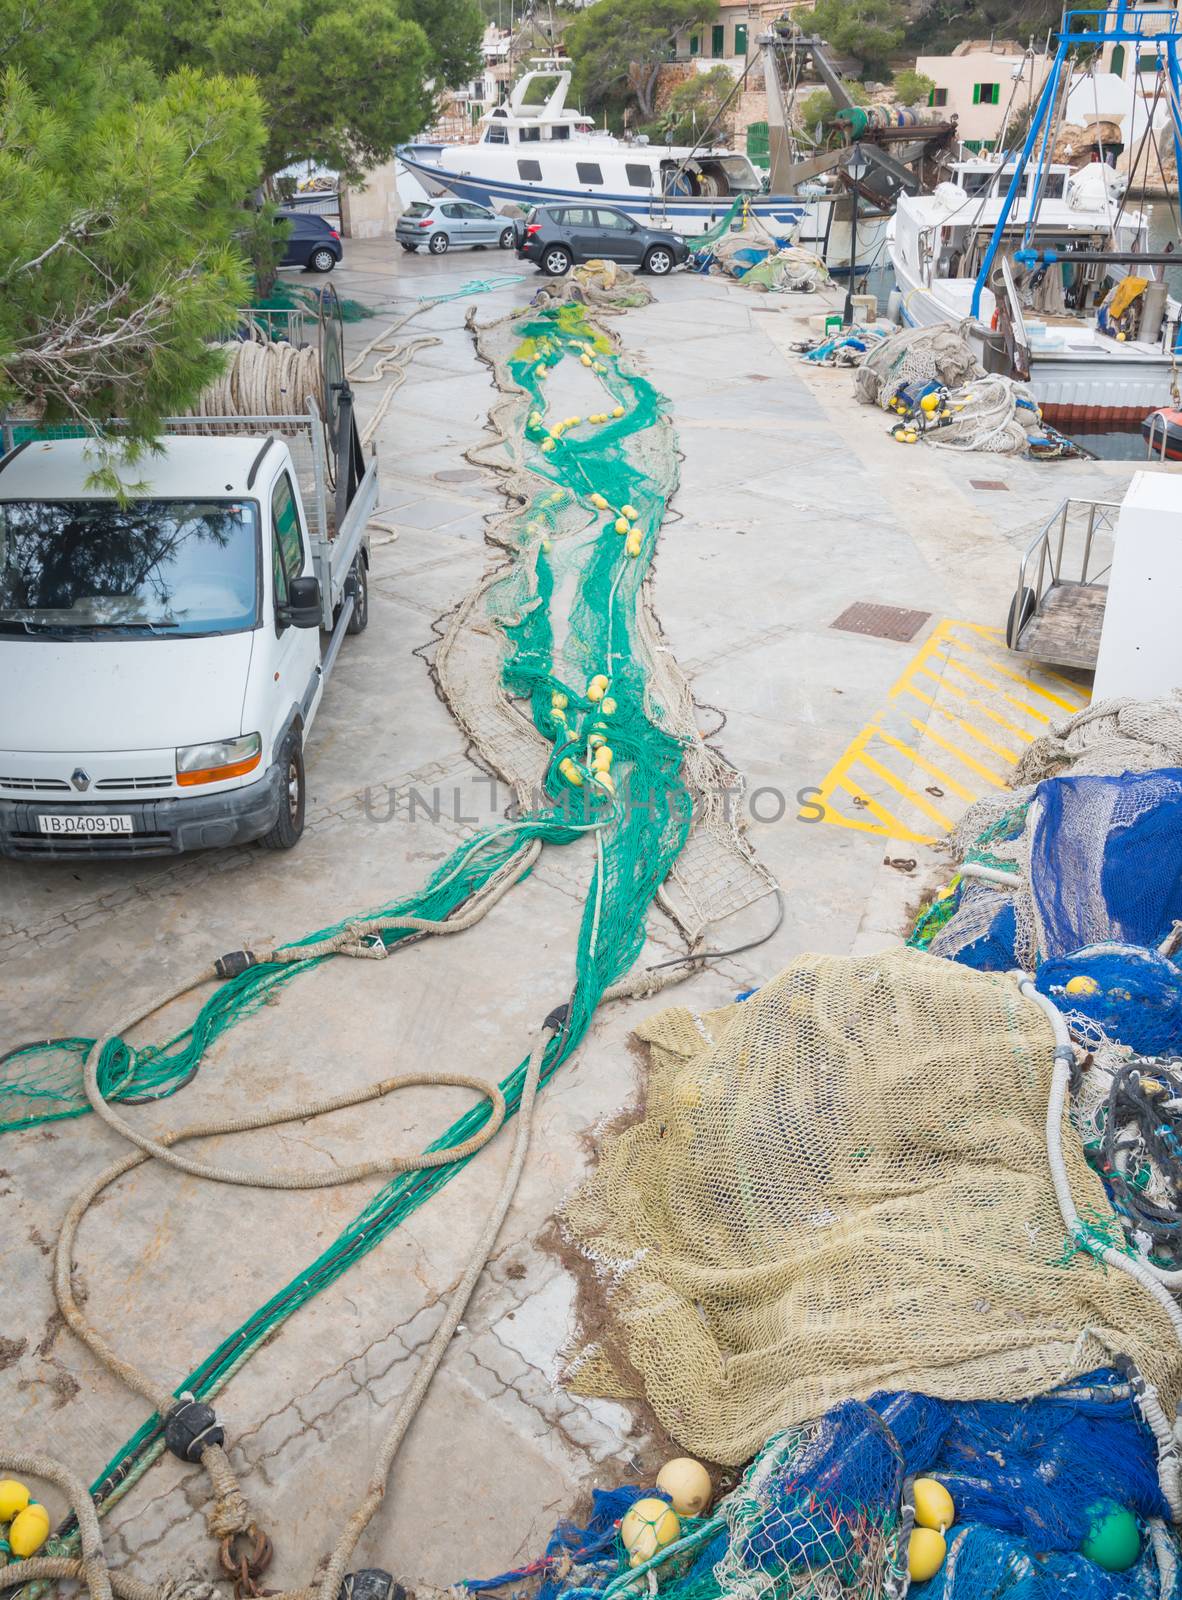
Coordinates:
[293,721]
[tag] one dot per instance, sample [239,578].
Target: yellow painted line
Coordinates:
[839,778]
[964,725]
[920,801]
[988,683]
[891,823]
[929,767]
[966,664]
[1018,677]
[978,767]
[977,705]
[1049,672]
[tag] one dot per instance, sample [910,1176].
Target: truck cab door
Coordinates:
[295,658]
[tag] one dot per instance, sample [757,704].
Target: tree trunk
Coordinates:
[646,90]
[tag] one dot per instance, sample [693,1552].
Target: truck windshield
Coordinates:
[170,567]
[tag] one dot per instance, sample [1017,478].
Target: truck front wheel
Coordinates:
[289,824]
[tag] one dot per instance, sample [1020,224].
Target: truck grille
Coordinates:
[164,782]
[35,785]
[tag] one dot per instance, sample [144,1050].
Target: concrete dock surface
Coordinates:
[794,506]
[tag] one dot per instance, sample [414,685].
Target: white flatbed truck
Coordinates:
[165,655]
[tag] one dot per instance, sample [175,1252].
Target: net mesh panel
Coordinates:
[862,1133]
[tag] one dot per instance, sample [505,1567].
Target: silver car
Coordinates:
[443,224]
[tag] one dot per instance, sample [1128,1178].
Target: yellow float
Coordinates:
[684,1480]
[934,1506]
[14,1497]
[29,1530]
[647,1527]
[925,1554]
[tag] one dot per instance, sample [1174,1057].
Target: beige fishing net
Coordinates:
[838,1186]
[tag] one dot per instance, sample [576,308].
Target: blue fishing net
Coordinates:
[818,1512]
[1033,1468]
[1105,888]
[983,1564]
[1106,859]
[982,930]
[1118,992]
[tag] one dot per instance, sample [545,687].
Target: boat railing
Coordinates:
[1158,436]
[1048,560]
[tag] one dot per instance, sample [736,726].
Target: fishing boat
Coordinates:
[536,150]
[1044,268]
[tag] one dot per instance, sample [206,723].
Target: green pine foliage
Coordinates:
[619,46]
[135,139]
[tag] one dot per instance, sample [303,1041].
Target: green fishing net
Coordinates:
[578,675]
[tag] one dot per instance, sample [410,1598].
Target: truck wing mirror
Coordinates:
[303,605]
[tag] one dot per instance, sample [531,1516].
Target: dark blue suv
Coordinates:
[555,237]
[313,242]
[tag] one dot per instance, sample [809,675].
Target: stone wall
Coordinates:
[372,212]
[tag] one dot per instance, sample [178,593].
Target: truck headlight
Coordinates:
[213,763]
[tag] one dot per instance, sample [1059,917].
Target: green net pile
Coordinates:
[575,671]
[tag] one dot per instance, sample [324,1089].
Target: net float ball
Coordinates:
[608,705]
[630,512]
[585,359]
[547,445]
[598,501]
[1113,1541]
[933,1504]
[925,1554]
[622,525]
[634,545]
[1083,985]
[649,1526]
[597,688]
[930,403]
[617,411]
[14,1497]
[29,1530]
[687,1483]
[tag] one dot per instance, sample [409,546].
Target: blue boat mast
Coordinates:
[1118,24]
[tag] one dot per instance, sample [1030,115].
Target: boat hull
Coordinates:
[683,214]
[1108,383]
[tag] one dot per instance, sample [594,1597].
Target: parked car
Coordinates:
[313,242]
[443,225]
[556,237]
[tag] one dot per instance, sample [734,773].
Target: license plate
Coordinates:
[96,822]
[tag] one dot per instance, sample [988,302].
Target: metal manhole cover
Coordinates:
[459,474]
[989,483]
[881,622]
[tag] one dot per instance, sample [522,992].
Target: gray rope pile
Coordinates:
[262,378]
